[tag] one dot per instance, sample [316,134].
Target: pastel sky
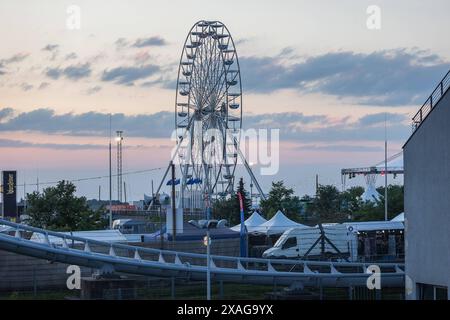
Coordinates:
[309,68]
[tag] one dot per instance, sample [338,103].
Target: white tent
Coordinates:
[278,224]
[394,163]
[370,194]
[254,221]
[99,235]
[374,225]
[400,217]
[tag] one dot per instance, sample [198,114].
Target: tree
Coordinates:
[370,211]
[395,200]
[57,208]
[226,209]
[351,201]
[281,198]
[327,204]
[229,209]
[246,199]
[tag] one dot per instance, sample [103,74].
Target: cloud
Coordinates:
[11,143]
[6,112]
[387,77]
[50,47]
[26,86]
[53,49]
[43,85]
[340,148]
[79,71]
[18,57]
[293,126]
[71,56]
[121,43]
[88,124]
[127,75]
[379,118]
[7,143]
[149,42]
[93,90]
[141,57]
[73,72]
[278,120]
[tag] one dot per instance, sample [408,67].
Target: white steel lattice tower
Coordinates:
[119,140]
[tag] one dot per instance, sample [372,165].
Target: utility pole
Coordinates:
[99,193]
[125,191]
[25,196]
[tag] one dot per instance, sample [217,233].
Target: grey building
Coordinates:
[427,199]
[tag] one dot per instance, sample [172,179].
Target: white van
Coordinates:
[295,242]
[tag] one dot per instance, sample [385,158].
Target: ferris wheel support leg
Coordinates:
[250,172]
[171,161]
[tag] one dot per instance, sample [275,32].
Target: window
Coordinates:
[431,292]
[441,293]
[290,242]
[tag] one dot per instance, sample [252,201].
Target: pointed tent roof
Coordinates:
[370,194]
[278,224]
[397,162]
[251,223]
[400,217]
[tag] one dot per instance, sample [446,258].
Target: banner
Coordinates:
[9,182]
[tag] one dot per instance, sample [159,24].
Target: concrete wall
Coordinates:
[427,200]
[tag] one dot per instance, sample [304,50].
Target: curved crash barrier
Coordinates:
[117,257]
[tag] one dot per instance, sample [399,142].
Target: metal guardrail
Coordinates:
[432,100]
[117,257]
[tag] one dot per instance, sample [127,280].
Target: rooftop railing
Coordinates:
[431,102]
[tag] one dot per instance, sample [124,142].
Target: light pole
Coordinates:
[119,139]
[208,253]
[251,187]
[208,265]
[385,170]
[110,175]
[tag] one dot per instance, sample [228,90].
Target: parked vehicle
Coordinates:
[331,240]
[356,241]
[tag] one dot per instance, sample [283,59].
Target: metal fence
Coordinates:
[150,288]
[431,102]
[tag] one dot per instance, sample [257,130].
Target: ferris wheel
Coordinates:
[208,110]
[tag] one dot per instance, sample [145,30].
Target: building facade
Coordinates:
[427,205]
